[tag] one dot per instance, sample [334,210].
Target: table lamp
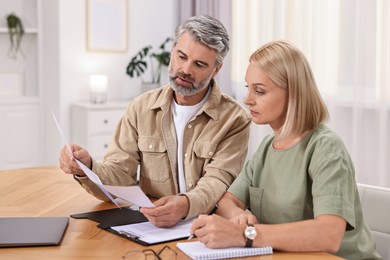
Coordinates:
[98,88]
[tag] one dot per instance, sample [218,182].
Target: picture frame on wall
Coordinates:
[11,84]
[107,25]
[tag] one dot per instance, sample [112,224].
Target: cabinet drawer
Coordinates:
[98,145]
[104,121]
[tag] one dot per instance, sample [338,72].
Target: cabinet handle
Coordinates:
[105,121]
[105,145]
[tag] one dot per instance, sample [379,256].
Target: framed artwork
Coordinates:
[107,25]
[11,83]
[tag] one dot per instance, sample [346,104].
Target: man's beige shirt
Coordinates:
[214,149]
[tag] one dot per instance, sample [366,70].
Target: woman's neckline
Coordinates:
[288,143]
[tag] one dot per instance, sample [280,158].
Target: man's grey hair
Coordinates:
[207,30]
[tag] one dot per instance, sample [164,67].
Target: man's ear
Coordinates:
[217,69]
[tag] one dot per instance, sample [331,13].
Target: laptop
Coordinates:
[32,231]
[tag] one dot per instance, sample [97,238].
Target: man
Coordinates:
[189,139]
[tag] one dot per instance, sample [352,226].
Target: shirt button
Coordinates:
[186,155]
[190,185]
[210,153]
[189,126]
[150,146]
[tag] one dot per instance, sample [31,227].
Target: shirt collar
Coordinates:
[210,107]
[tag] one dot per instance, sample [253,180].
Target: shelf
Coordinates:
[27,31]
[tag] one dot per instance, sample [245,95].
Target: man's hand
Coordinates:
[168,211]
[69,165]
[217,232]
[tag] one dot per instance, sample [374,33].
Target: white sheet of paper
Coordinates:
[132,194]
[90,174]
[62,134]
[149,233]
[95,179]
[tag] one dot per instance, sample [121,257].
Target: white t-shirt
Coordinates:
[181,116]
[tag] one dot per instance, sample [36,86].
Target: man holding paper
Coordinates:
[189,139]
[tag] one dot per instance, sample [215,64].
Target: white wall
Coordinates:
[67,63]
[50,78]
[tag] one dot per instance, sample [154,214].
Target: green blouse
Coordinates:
[314,177]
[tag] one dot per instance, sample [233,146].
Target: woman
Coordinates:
[299,186]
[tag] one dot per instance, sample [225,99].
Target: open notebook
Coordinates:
[197,250]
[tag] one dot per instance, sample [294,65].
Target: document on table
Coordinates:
[133,194]
[150,234]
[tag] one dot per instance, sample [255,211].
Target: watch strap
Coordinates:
[249,242]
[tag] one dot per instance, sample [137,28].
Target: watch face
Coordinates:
[250,232]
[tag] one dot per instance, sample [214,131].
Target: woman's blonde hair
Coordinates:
[288,68]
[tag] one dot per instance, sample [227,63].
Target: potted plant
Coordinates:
[16,32]
[145,57]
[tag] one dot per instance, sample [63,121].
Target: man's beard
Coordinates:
[185,90]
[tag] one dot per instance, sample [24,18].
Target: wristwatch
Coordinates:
[250,233]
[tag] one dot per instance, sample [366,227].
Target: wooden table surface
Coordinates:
[46,191]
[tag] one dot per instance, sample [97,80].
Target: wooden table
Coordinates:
[46,191]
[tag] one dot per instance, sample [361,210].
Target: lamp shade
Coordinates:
[98,88]
[98,83]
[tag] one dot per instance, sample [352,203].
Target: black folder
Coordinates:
[117,217]
[113,217]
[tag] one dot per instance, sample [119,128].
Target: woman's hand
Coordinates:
[217,232]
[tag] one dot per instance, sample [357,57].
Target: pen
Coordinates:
[210,213]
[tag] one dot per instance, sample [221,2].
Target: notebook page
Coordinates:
[197,250]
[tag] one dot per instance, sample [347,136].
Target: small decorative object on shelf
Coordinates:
[139,63]
[16,32]
[98,88]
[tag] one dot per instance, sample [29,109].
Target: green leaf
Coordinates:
[138,63]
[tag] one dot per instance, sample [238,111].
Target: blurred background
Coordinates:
[73,56]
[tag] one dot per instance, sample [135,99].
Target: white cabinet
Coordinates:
[21,127]
[21,135]
[93,125]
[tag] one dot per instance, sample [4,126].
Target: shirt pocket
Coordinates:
[204,150]
[255,197]
[154,159]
